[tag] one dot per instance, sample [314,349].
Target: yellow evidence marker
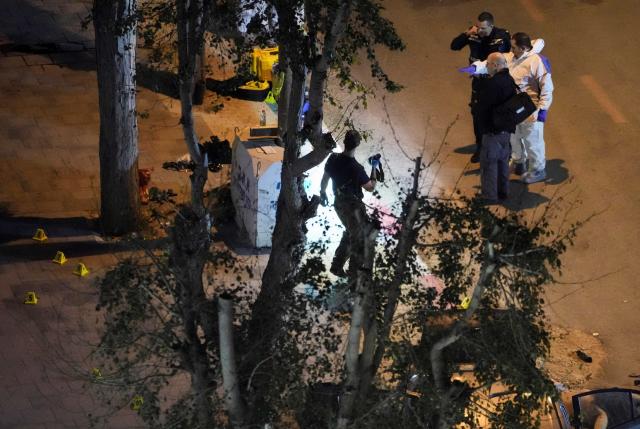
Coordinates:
[465,303]
[81,270]
[136,403]
[31,298]
[40,235]
[96,373]
[60,258]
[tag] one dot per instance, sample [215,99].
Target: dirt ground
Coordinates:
[565,366]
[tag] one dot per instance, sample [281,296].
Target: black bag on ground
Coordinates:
[513,111]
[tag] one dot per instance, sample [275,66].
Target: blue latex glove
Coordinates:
[542,115]
[375,163]
[469,69]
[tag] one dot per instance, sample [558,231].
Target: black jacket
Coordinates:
[495,91]
[480,47]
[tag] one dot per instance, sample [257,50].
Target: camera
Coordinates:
[375,162]
[375,157]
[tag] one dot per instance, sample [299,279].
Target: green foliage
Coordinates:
[136,350]
[367,29]
[143,342]
[505,337]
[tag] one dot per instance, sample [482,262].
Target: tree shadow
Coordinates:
[75,50]
[159,81]
[45,36]
[166,83]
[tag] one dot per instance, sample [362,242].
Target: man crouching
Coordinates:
[494,155]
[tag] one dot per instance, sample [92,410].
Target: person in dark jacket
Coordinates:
[349,179]
[483,38]
[494,156]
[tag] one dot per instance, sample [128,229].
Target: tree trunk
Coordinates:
[294,208]
[192,238]
[360,317]
[443,391]
[115,33]
[283,102]
[288,234]
[191,21]
[405,244]
[286,254]
[190,246]
[200,77]
[233,399]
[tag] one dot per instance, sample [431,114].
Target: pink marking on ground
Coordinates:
[389,222]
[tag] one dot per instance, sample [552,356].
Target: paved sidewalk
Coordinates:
[49,175]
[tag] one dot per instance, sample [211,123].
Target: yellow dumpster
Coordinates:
[263,61]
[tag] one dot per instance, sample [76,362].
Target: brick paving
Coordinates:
[49,177]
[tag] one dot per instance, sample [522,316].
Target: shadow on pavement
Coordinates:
[465,150]
[232,237]
[159,81]
[18,228]
[166,82]
[60,233]
[72,55]
[45,36]
[74,50]
[474,172]
[72,249]
[520,198]
[556,172]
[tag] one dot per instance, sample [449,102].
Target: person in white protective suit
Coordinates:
[532,73]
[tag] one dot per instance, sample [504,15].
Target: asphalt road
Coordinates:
[591,135]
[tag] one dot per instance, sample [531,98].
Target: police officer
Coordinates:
[483,38]
[349,179]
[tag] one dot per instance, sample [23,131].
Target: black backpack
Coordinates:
[513,111]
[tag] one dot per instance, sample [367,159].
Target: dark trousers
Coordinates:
[494,165]
[476,86]
[477,133]
[352,214]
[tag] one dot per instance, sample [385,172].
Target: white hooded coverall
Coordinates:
[531,75]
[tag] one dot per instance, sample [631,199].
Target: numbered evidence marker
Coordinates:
[40,235]
[136,403]
[31,298]
[81,270]
[96,373]
[60,258]
[465,303]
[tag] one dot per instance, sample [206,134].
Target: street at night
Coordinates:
[85,338]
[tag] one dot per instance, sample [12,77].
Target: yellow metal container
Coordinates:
[263,61]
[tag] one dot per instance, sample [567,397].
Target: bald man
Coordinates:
[495,150]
